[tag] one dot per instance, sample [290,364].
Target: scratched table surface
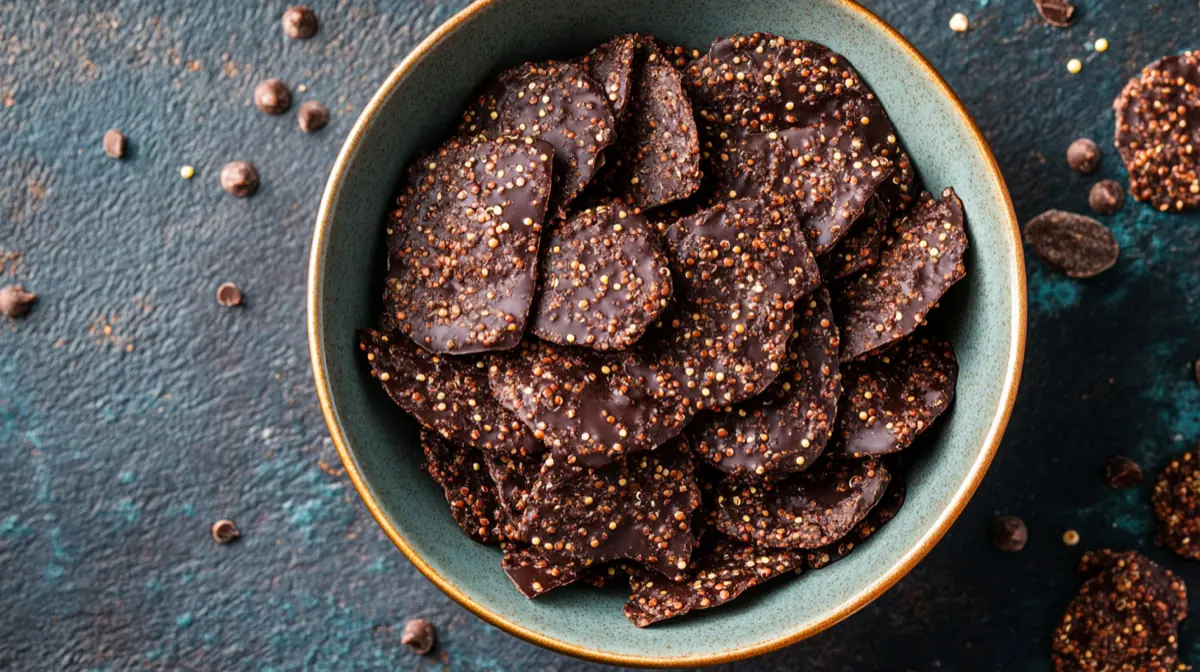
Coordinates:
[135,411]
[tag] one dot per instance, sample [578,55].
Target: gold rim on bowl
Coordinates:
[848,607]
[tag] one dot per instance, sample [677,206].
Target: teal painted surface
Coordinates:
[385,447]
[182,417]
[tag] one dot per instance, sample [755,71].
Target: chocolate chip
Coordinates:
[224,531]
[239,179]
[14,301]
[419,636]
[1058,13]
[272,96]
[1079,246]
[114,143]
[299,22]
[228,294]
[1008,533]
[1122,473]
[1083,156]
[1106,197]
[312,116]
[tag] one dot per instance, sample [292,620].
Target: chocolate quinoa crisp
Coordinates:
[660,315]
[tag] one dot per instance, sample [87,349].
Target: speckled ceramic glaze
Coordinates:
[415,109]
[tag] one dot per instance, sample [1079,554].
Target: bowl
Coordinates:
[415,109]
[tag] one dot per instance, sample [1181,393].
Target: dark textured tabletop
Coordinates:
[135,411]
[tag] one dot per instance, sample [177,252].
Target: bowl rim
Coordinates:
[848,607]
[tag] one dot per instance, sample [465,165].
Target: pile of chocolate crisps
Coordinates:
[659,314]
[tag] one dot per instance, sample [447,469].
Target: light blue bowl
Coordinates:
[415,109]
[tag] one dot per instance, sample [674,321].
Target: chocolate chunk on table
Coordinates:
[448,395]
[922,258]
[891,398]
[555,102]
[469,490]
[738,269]
[603,279]
[637,508]
[463,244]
[1158,127]
[807,510]
[721,569]
[1079,246]
[786,428]
[586,406]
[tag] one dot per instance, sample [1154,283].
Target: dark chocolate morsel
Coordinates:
[1079,246]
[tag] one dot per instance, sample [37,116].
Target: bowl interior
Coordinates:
[982,316]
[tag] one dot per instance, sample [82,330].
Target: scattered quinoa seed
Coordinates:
[15,301]
[1101,45]
[1074,66]
[228,294]
[1008,533]
[312,116]
[114,144]
[224,531]
[240,179]
[187,172]
[419,636]
[299,22]
[1070,537]
[959,23]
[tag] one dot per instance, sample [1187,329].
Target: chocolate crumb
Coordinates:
[228,294]
[1083,156]
[299,22]
[1009,533]
[224,531]
[1106,197]
[240,179]
[1058,13]
[1122,473]
[14,301]
[114,143]
[312,116]
[419,636]
[272,96]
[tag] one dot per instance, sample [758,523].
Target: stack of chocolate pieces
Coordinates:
[660,317]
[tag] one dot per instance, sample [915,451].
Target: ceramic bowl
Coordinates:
[415,109]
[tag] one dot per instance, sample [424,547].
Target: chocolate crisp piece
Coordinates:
[806,510]
[1177,505]
[859,250]
[738,269]
[463,244]
[1125,617]
[657,155]
[555,102]
[882,514]
[513,475]
[786,428]
[893,397]
[603,279]
[469,490]
[1158,124]
[922,258]
[534,575]
[448,395]
[586,406]
[1057,13]
[1079,246]
[637,508]
[826,172]
[721,569]
[611,66]
[1122,473]
[762,82]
